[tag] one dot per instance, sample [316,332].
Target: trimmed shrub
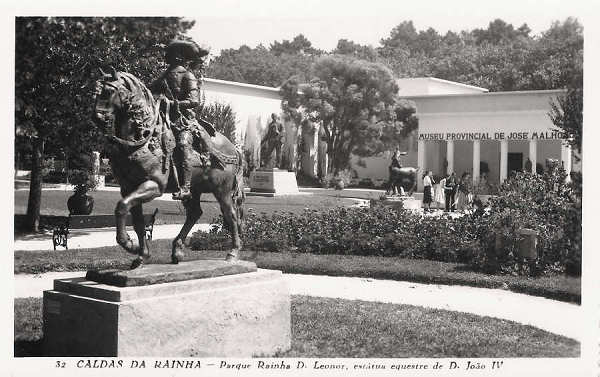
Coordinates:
[486,240]
[544,203]
[353,231]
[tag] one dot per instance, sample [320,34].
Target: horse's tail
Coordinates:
[415,180]
[239,196]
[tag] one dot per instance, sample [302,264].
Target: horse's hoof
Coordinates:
[177,253]
[137,262]
[146,252]
[129,246]
[177,256]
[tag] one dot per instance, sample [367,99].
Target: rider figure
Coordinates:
[181,88]
[395,169]
[396,163]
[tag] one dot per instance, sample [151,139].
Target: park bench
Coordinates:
[63,225]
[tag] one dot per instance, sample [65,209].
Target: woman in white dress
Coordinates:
[438,196]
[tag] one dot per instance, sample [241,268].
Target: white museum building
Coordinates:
[462,128]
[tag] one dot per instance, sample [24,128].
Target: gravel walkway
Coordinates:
[96,237]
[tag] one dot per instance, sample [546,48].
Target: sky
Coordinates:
[222,24]
[232,23]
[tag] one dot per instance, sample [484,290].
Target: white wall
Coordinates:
[252,104]
[466,109]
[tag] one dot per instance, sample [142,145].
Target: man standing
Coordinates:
[180,87]
[450,187]
[274,140]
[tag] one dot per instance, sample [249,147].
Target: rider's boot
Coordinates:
[186,175]
[184,190]
[185,145]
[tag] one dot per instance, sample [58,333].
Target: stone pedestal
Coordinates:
[406,202]
[100,181]
[272,182]
[237,315]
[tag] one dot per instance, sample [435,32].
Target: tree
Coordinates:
[262,66]
[346,47]
[221,116]
[57,61]
[557,60]
[356,102]
[499,31]
[299,45]
[500,57]
[567,114]
[404,37]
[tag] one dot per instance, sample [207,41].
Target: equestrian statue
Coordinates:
[152,135]
[403,178]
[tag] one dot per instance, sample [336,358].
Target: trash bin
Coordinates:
[528,244]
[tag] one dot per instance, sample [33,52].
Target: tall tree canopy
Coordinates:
[56,64]
[356,102]
[501,57]
[265,66]
[257,66]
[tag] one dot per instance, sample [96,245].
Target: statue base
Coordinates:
[236,315]
[404,201]
[273,182]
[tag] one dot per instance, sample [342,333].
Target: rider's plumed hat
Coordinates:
[188,50]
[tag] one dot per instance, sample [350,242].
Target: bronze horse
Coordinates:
[140,146]
[405,177]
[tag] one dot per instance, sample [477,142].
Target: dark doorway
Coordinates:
[515,162]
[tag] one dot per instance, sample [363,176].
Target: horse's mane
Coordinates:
[141,104]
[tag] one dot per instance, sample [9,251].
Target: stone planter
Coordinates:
[80,204]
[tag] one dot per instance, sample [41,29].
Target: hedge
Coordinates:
[486,240]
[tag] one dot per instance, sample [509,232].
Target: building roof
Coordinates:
[426,86]
[240,84]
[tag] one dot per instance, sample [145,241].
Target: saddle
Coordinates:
[218,146]
[207,139]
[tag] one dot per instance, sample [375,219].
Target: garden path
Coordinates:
[95,237]
[553,316]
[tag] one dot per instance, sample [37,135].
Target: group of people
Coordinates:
[449,191]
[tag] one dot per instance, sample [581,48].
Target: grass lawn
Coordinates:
[557,287]
[54,202]
[324,327]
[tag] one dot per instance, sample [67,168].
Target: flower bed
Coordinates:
[486,240]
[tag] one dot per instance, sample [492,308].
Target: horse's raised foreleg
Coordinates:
[143,193]
[193,211]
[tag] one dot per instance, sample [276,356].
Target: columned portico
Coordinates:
[503,160]
[488,135]
[476,160]
[421,161]
[450,156]
[566,156]
[533,154]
